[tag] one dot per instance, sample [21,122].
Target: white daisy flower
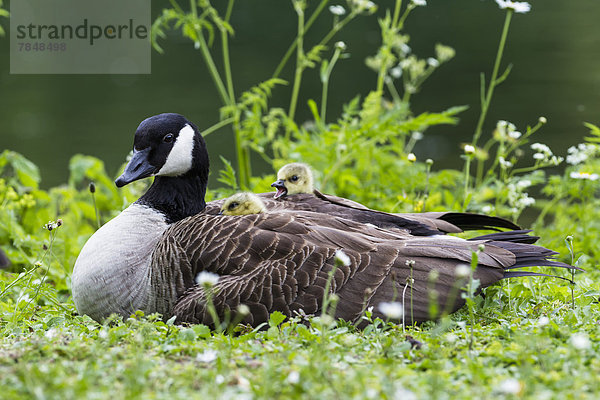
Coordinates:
[337,10]
[392,309]
[518,6]
[580,341]
[207,279]
[207,357]
[342,258]
[469,149]
[462,271]
[510,386]
[584,175]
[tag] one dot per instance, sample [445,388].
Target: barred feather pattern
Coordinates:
[421,224]
[281,261]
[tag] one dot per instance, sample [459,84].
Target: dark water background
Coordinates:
[555,50]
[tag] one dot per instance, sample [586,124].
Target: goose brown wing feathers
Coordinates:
[420,224]
[281,261]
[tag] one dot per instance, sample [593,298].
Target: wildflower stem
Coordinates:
[466,186]
[326,294]
[96,210]
[470,301]
[225,47]
[337,27]
[412,317]
[292,47]
[396,12]
[213,312]
[217,126]
[212,68]
[493,80]
[299,62]
[326,76]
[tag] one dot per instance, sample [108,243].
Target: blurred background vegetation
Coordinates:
[48,118]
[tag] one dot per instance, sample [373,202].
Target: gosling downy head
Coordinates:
[170,148]
[243,203]
[292,179]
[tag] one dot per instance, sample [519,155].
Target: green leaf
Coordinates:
[276,319]
[227,175]
[594,131]
[27,172]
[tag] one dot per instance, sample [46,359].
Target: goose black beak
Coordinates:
[138,167]
[281,189]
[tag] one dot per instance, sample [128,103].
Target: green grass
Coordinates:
[56,354]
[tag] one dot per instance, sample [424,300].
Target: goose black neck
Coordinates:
[176,197]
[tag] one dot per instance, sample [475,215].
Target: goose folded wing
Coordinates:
[282,261]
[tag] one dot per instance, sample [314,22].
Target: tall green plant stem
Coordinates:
[242,152]
[485,104]
[299,63]
[396,25]
[226,93]
[326,75]
[486,96]
[212,68]
[292,47]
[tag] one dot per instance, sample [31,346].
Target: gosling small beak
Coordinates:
[281,189]
[138,168]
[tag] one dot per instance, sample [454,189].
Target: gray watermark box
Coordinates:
[80,37]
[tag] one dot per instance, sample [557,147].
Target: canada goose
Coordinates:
[297,179]
[243,203]
[148,256]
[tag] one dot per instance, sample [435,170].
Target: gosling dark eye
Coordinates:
[232,205]
[294,178]
[168,138]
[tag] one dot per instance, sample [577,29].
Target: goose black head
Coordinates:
[292,179]
[166,145]
[169,147]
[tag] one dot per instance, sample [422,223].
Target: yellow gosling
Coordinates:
[243,203]
[292,179]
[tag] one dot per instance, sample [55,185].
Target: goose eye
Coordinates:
[232,205]
[168,138]
[294,178]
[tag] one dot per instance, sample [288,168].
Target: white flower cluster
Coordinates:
[584,175]
[580,153]
[364,5]
[419,2]
[342,258]
[462,270]
[392,309]
[504,164]
[580,341]
[337,10]
[433,62]
[207,279]
[507,130]
[518,6]
[517,198]
[544,155]
[510,386]
[340,45]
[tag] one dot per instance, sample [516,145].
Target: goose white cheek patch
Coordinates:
[179,160]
